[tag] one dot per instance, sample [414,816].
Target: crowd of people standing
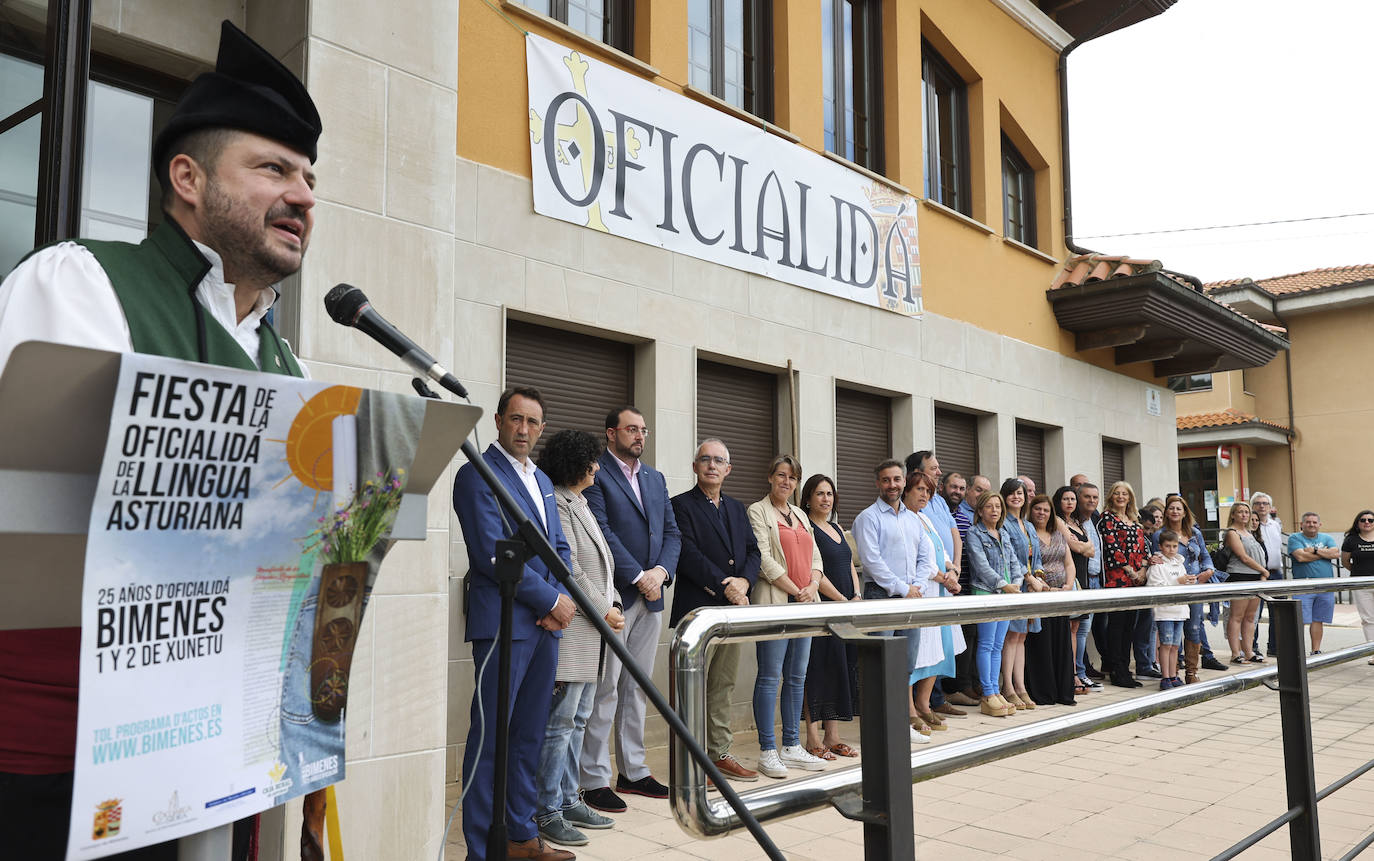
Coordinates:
[926,534]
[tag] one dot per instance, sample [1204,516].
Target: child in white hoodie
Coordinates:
[1169,619]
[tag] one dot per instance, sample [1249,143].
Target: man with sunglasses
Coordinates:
[631,504]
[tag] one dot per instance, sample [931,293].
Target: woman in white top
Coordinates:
[938,644]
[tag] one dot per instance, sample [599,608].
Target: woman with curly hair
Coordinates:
[569,459]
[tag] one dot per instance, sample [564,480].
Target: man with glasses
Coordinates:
[1269,532]
[719,565]
[631,504]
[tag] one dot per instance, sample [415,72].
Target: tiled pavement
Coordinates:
[1176,787]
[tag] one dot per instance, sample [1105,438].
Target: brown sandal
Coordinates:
[820,752]
[843,749]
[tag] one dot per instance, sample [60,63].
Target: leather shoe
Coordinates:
[1149,673]
[961,698]
[1209,662]
[538,850]
[731,768]
[645,786]
[604,800]
[1092,672]
[946,709]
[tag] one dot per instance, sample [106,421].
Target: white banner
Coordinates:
[198,606]
[618,154]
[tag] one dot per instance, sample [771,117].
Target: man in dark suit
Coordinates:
[542,610]
[630,501]
[719,565]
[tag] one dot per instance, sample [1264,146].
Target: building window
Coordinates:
[730,52]
[739,407]
[1030,454]
[609,21]
[1191,383]
[1018,195]
[119,194]
[956,442]
[944,132]
[851,76]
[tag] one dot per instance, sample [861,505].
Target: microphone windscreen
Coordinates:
[343,302]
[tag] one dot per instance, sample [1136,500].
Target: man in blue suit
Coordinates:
[630,501]
[718,566]
[542,610]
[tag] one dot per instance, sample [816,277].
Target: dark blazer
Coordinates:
[476,508]
[640,538]
[711,551]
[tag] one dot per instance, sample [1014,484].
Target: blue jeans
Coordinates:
[1144,639]
[989,656]
[785,661]
[556,780]
[1195,631]
[1085,625]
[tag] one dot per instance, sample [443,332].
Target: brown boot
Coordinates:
[1192,656]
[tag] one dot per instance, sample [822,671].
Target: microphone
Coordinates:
[348,306]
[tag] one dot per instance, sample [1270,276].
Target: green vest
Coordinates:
[155,282]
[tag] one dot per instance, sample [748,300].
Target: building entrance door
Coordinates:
[1197,481]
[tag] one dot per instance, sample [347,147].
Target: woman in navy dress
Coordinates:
[831,674]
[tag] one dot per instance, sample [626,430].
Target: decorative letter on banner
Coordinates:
[617,154]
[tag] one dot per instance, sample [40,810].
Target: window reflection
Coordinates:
[116,172]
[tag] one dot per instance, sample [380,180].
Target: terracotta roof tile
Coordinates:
[1303,282]
[1087,268]
[1223,418]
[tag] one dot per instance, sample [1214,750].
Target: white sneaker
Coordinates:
[770,765]
[800,757]
[919,738]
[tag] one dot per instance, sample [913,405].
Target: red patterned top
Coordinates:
[1123,546]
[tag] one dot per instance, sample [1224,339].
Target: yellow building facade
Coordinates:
[1296,424]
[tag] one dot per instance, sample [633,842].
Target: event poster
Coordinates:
[612,152]
[198,637]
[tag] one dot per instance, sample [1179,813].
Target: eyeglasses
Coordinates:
[635,431]
[713,458]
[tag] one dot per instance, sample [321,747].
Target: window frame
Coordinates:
[617,25]
[1187,384]
[936,70]
[867,71]
[1016,169]
[757,82]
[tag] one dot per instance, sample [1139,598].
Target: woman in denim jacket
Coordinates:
[1016,505]
[996,568]
[1179,518]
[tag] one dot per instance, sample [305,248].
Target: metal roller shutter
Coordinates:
[863,439]
[1113,464]
[956,442]
[739,407]
[580,377]
[1030,454]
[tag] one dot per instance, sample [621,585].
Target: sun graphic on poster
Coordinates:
[310,441]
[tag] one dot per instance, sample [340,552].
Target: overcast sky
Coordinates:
[1223,112]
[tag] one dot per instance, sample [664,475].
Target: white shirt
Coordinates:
[526,472]
[62,294]
[1271,532]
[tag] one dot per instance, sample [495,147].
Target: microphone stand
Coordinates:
[511,555]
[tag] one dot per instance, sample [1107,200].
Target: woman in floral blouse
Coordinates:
[1124,553]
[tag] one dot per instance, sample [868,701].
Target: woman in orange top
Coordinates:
[791,570]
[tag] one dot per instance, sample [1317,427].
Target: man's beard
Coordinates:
[234,231]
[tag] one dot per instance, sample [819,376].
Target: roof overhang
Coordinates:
[1150,317]
[1251,299]
[1083,18]
[1250,433]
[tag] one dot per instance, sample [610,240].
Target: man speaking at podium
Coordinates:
[234,162]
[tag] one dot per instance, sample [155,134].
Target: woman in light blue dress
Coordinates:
[1028,552]
[939,645]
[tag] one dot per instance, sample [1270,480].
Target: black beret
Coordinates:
[249,90]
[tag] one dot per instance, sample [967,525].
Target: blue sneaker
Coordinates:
[582,816]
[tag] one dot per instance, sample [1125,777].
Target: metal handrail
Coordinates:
[703,627]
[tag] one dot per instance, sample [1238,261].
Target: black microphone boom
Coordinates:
[348,306]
